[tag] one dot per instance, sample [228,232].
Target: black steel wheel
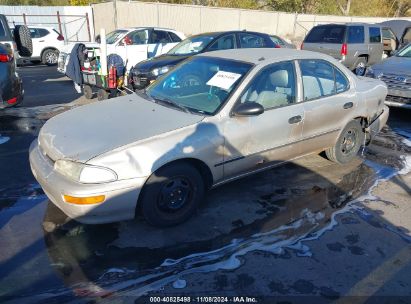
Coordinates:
[172,194]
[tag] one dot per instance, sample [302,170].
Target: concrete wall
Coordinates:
[191,19]
[74,27]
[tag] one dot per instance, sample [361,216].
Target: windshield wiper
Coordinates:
[170,102]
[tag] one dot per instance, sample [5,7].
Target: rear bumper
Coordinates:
[120,196]
[17,94]
[376,126]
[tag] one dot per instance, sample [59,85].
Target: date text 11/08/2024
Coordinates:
[206,299]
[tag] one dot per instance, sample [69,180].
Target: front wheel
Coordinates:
[348,144]
[172,194]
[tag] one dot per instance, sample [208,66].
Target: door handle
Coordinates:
[348,105]
[295,119]
[41,41]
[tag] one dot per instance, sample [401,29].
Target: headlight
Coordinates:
[160,71]
[84,173]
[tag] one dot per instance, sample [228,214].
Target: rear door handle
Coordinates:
[41,41]
[295,119]
[348,105]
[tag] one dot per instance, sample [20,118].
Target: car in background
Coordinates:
[396,73]
[47,43]
[147,71]
[281,42]
[132,44]
[401,29]
[390,41]
[11,46]
[356,45]
[248,110]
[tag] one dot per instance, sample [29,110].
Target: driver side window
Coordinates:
[137,38]
[223,43]
[273,87]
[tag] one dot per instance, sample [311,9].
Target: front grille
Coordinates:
[399,99]
[397,82]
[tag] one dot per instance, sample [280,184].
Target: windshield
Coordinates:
[200,85]
[191,45]
[405,52]
[113,36]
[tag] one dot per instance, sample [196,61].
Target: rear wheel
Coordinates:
[172,194]
[102,94]
[348,144]
[360,66]
[50,57]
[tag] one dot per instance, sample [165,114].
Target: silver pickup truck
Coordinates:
[355,45]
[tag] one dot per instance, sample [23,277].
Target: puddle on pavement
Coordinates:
[286,218]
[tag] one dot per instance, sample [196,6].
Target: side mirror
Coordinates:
[248,109]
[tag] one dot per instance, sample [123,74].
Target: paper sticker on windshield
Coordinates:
[223,79]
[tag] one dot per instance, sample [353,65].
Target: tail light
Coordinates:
[344,49]
[60,37]
[277,46]
[5,58]
[12,101]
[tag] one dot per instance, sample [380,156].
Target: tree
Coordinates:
[345,9]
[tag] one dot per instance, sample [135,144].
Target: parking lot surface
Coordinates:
[310,231]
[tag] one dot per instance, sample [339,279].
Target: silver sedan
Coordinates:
[214,118]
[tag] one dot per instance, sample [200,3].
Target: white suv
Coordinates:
[47,43]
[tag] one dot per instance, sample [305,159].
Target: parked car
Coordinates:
[389,40]
[147,71]
[11,45]
[247,110]
[401,29]
[356,45]
[396,73]
[47,43]
[132,44]
[281,42]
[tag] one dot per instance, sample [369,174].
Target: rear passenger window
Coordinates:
[42,32]
[34,33]
[273,87]
[375,35]
[174,37]
[355,34]
[341,82]
[160,37]
[318,79]
[251,41]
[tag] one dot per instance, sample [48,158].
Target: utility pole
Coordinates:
[115,13]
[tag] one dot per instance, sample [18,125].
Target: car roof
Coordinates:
[148,28]
[258,56]
[215,34]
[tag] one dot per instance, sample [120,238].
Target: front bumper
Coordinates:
[398,98]
[121,196]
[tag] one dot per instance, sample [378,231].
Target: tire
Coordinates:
[361,66]
[50,57]
[348,144]
[102,94]
[172,194]
[23,40]
[87,91]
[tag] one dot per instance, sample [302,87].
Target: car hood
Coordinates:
[88,131]
[160,61]
[394,65]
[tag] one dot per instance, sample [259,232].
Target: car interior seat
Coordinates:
[278,92]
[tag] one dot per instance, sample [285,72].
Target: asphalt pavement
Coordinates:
[310,231]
